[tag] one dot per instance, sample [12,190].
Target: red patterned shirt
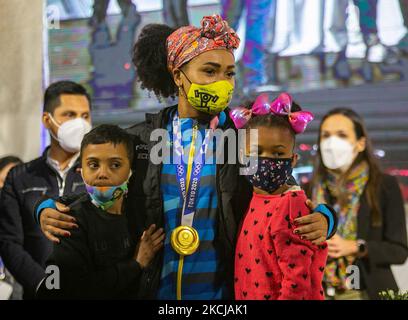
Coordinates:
[271,262]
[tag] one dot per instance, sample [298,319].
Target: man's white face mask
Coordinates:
[71,133]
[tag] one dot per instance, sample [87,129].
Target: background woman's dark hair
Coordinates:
[375,174]
[150,60]
[272,120]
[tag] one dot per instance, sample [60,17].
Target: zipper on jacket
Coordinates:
[219,196]
[149,270]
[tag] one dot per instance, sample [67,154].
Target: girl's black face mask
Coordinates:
[269,174]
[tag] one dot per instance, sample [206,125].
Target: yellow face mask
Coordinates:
[210,98]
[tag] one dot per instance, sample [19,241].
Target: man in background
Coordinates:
[23,247]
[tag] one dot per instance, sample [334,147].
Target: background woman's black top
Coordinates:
[387,244]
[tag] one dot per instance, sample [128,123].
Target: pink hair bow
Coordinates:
[282,105]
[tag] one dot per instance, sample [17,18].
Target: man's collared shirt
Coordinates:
[62,174]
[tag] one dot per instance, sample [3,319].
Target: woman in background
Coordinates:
[371,230]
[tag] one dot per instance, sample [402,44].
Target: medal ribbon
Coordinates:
[188,182]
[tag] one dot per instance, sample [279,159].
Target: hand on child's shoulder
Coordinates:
[298,206]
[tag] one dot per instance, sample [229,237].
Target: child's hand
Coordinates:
[150,242]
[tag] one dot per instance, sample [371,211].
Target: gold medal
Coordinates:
[185,240]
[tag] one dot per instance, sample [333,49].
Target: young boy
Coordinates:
[101,259]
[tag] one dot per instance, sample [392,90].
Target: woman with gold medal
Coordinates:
[198,201]
[202,201]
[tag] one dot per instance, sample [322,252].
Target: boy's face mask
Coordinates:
[210,98]
[270,173]
[104,197]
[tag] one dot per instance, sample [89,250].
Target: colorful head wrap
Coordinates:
[188,42]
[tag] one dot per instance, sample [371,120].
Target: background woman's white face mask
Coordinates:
[71,133]
[337,153]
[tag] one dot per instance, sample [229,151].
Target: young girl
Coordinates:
[272,262]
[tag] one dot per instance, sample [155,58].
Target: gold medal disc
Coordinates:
[185,240]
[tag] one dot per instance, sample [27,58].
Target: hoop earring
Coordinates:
[181,92]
